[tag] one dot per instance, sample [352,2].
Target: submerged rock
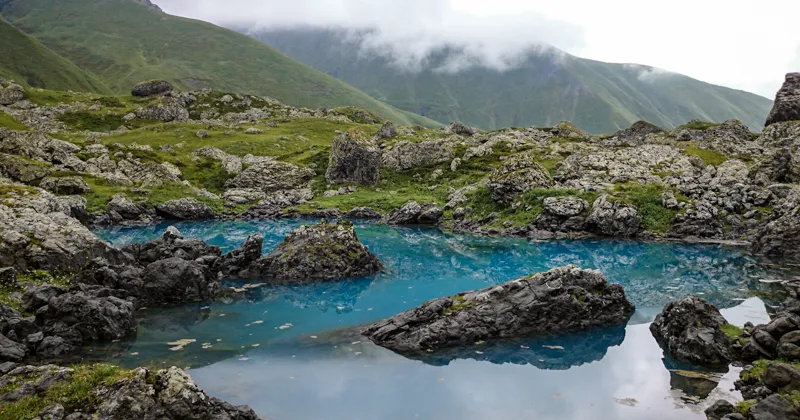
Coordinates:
[557,301]
[323,251]
[354,158]
[691,330]
[787,101]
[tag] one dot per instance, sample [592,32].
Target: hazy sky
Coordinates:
[743,44]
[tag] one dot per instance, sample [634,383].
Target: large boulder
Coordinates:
[125,207]
[690,329]
[413,213]
[518,176]
[774,407]
[66,185]
[80,318]
[407,155]
[236,262]
[151,88]
[166,109]
[174,280]
[11,94]
[11,350]
[323,251]
[23,170]
[561,214]
[782,377]
[557,301]
[787,101]
[185,209]
[461,129]
[354,158]
[172,244]
[270,176]
[613,219]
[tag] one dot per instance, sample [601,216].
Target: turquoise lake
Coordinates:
[294,353]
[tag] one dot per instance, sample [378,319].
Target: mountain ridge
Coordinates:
[545,89]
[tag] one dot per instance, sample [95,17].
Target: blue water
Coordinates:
[295,352]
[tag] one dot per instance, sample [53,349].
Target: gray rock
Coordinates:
[560,300]
[787,101]
[174,280]
[636,134]
[782,377]
[230,163]
[354,158]
[167,109]
[36,145]
[82,318]
[789,347]
[690,329]
[11,350]
[151,88]
[719,409]
[273,205]
[23,170]
[362,213]
[11,94]
[203,134]
[461,129]
[253,130]
[125,207]
[36,297]
[323,251]
[272,176]
[185,209]
[171,244]
[412,213]
[52,412]
[516,177]
[774,407]
[613,219]
[779,237]
[66,185]
[386,131]
[407,155]
[236,262]
[54,347]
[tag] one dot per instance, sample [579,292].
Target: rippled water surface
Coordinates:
[295,352]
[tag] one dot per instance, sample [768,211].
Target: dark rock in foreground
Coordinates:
[557,301]
[691,330]
[236,262]
[787,101]
[151,87]
[323,251]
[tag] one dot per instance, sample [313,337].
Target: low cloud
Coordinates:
[406,32]
[648,73]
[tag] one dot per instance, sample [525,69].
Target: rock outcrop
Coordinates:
[690,329]
[11,94]
[387,131]
[271,176]
[407,155]
[323,251]
[787,101]
[636,135]
[518,176]
[354,158]
[151,88]
[22,170]
[778,338]
[185,209]
[557,301]
[236,262]
[779,236]
[412,213]
[613,219]
[460,129]
[66,185]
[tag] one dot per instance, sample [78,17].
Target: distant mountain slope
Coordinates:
[545,89]
[124,42]
[27,61]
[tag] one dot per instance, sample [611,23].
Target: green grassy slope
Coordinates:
[27,61]
[124,43]
[598,97]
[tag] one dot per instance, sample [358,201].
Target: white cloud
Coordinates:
[737,43]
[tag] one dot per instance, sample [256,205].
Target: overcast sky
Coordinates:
[743,44]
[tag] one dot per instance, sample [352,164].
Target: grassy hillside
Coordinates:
[598,97]
[27,61]
[124,42]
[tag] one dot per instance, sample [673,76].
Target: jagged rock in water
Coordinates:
[518,176]
[174,280]
[412,213]
[323,251]
[66,185]
[151,87]
[185,209]
[690,329]
[407,155]
[557,301]
[19,169]
[80,318]
[386,131]
[11,94]
[172,244]
[461,129]
[354,158]
[236,262]
[787,101]
[362,213]
[271,176]
[167,109]
[613,219]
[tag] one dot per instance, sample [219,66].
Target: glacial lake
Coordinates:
[294,353]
